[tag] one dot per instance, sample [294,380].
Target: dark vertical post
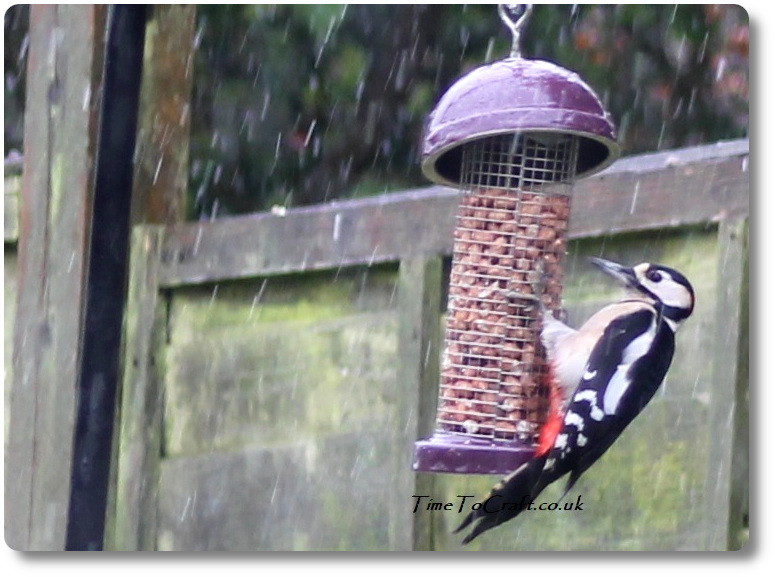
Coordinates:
[107,278]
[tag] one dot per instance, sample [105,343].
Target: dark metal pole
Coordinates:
[107,278]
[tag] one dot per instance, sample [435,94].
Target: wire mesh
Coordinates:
[509,245]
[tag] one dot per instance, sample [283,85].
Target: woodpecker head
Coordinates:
[664,286]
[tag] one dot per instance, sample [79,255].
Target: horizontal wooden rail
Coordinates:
[685,187]
[690,186]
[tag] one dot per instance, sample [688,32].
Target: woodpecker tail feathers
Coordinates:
[506,500]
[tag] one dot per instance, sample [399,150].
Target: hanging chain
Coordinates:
[515,23]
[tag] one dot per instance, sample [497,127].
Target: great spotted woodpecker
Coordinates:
[607,372]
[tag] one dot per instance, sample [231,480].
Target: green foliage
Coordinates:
[16,25]
[298,104]
[334,97]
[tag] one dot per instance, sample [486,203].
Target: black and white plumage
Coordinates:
[606,373]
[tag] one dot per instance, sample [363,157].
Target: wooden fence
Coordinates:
[278,368]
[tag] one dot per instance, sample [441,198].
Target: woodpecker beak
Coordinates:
[625,276]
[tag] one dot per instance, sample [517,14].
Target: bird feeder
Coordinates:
[512,135]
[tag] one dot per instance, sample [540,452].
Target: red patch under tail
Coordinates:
[553,424]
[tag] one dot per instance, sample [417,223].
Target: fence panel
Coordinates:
[282,406]
[296,372]
[278,368]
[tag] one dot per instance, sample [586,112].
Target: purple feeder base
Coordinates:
[462,455]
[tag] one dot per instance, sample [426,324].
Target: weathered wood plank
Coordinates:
[727,485]
[13,183]
[421,282]
[132,523]
[676,188]
[11,235]
[420,288]
[314,238]
[329,493]
[265,360]
[284,418]
[676,194]
[65,68]
[10,294]
[161,171]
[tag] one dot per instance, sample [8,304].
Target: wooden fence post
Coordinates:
[161,173]
[132,522]
[63,99]
[728,415]
[420,282]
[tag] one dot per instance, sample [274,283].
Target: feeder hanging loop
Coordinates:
[508,13]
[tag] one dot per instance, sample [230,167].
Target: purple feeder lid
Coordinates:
[512,96]
[464,455]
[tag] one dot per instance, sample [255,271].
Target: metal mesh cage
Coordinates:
[509,243]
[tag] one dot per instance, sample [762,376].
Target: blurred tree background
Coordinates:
[301,104]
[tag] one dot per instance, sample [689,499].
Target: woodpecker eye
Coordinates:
[654,276]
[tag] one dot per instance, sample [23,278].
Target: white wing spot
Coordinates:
[581,440]
[561,441]
[594,411]
[589,375]
[573,419]
[587,395]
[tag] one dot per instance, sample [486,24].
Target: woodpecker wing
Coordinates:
[613,364]
[569,350]
[625,369]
